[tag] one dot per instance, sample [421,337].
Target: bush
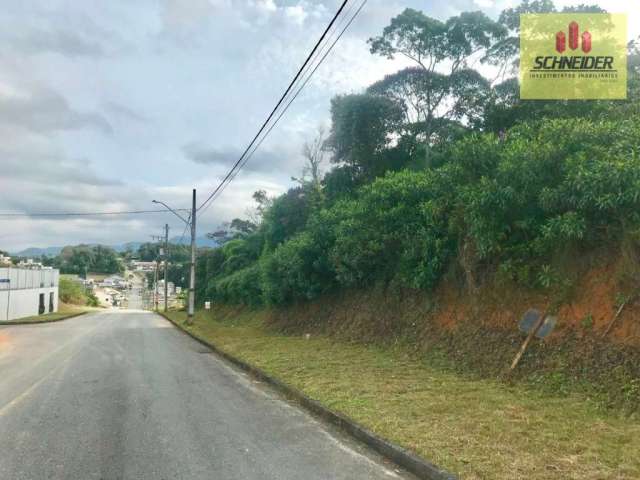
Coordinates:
[241,287]
[548,190]
[394,230]
[508,205]
[299,269]
[72,292]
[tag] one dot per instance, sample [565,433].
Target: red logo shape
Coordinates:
[561,42]
[573,35]
[574,39]
[586,42]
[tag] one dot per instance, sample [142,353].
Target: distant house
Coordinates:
[171,288]
[5,261]
[27,290]
[30,264]
[114,281]
[143,266]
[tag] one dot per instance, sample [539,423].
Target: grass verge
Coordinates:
[477,428]
[64,312]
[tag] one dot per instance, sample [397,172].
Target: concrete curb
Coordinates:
[400,456]
[37,322]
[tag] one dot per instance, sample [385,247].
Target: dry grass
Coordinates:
[479,429]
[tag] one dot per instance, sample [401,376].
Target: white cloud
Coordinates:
[98,101]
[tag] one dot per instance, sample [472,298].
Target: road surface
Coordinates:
[124,395]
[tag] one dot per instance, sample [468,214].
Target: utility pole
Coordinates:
[166,264]
[155,281]
[155,288]
[190,222]
[192,275]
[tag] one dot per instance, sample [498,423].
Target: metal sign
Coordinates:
[530,320]
[547,327]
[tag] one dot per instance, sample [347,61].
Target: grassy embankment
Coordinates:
[479,428]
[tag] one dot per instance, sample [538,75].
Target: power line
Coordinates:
[85,214]
[186,226]
[275,109]
[224,184]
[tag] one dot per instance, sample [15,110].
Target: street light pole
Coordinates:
[192,275]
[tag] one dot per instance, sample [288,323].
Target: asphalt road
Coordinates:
[124,395]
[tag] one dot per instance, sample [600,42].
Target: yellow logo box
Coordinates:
[566,56]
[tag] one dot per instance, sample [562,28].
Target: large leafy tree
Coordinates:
[362,128]
[89,258]
[442,92]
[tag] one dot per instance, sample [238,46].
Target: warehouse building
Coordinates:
[26,290]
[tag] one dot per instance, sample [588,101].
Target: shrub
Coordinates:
[241,287]
[394,230]
[509,205]
[72,292]
[299,269]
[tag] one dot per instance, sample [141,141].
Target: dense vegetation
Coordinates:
[74,293]
[83,259]
[476,182]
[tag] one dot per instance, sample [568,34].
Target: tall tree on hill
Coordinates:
[442,93]
[363,126]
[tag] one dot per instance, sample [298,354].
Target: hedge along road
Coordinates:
[124,395]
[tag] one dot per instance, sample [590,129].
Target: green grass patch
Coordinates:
[478,428]
[64,311]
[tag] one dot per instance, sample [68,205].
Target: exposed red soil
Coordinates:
[592,306]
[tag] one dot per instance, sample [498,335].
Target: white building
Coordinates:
[25,292]
[171,288]
[144,266]
[114,281]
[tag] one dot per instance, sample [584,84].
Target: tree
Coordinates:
[314,153]
[287,215]
[82,259]
[442,91]
[242,228]
[148,252]
[362,128]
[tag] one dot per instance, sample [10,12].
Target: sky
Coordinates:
[105,106]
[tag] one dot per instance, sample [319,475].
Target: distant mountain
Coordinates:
[200,241]
[38,252]
[123,247]
[120,247]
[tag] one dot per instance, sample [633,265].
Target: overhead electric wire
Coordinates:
[292,96]
[275,109]
[184,232]
[246,158]
[84,214]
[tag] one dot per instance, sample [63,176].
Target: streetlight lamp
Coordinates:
[191,221]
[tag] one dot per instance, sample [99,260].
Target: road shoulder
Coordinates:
[403,458]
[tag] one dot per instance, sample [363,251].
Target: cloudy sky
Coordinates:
[107,105]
